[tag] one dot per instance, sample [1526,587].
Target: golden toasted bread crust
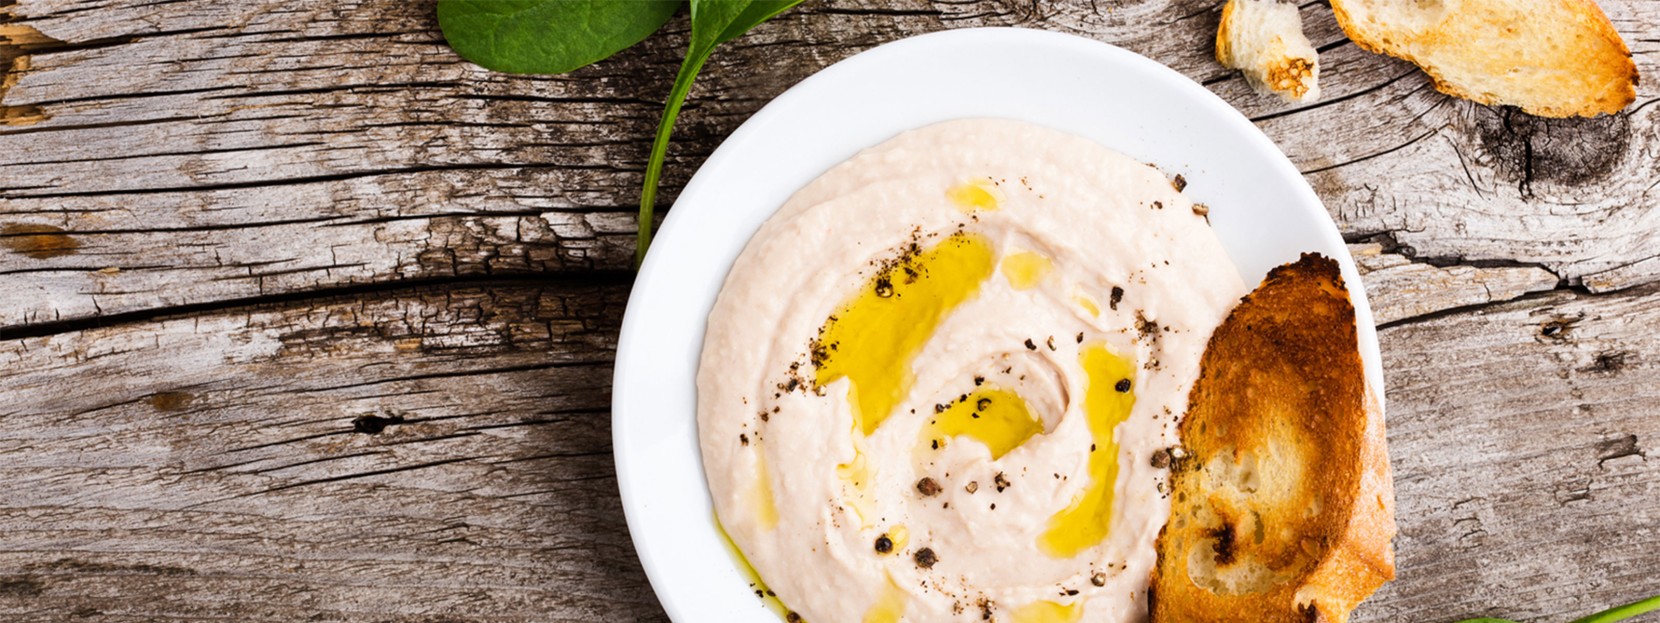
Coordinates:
[1282,507]
[1275,66]
[1552,58]
[1224,46]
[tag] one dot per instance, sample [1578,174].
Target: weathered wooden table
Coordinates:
[304,318]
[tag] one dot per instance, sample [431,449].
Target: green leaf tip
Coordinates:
[1617,613]
[547,36]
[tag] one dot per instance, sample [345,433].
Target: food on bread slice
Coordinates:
[1282,508]
[1552,58]
[1264,40]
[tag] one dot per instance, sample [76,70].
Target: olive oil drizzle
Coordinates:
[1086,521]
[1049,612]
[996,417]
[871,339]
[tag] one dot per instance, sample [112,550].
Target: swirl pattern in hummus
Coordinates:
[934,383]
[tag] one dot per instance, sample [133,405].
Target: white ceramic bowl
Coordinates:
[1263,211]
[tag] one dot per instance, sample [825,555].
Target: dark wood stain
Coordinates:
[16,42]
[374,424]
[41,242]
[20,587]
[171,401]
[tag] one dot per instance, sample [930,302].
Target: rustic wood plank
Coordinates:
[427,455]
[215,151]
[1400,288]
[1527,468]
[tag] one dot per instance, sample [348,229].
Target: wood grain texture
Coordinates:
[423,455]
[1527,469]
[303,318]
[218,150]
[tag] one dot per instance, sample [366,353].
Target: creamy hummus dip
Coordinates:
[936,383]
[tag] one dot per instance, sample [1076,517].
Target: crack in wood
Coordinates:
[461,373]
[1390,243]
[315,461]
[88,126]
[1328,102]
[1385,152]
[332,479]
[1618,448]
[44,329]
[312,179]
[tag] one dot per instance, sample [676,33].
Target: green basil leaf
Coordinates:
[710,19]
[547,36]
[753,15]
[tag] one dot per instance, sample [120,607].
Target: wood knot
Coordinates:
[371,424]
[1576,152]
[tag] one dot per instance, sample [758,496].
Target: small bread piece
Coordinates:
[1282,507]
[1552,58]
[1264,39]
